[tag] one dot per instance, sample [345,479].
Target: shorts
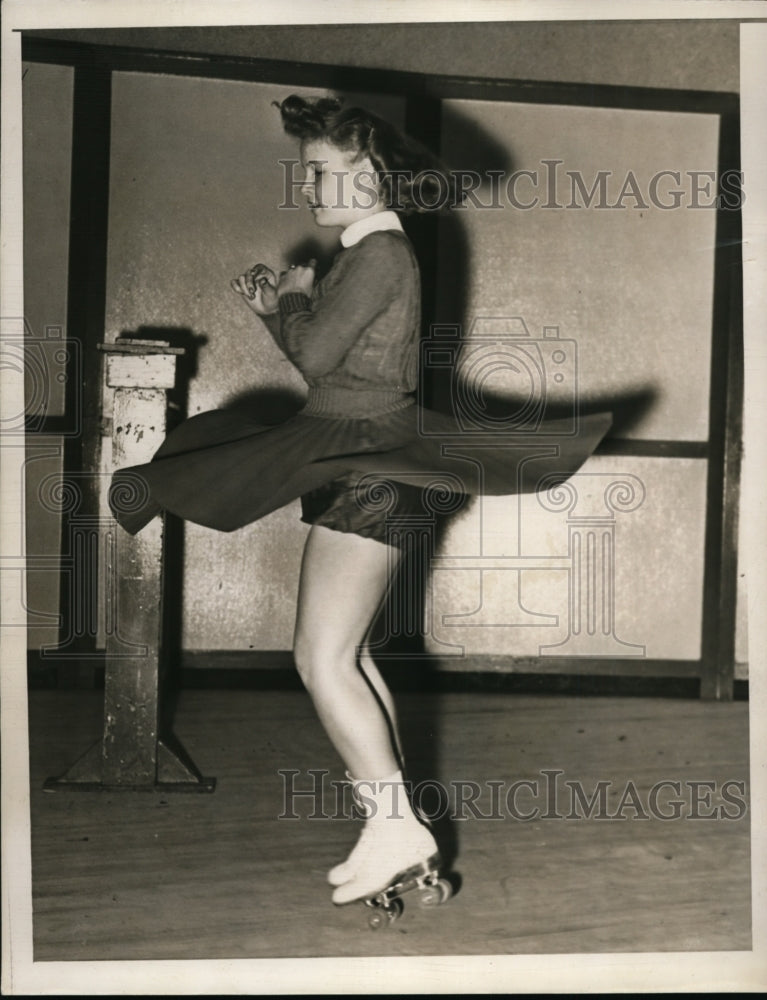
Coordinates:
[367,505]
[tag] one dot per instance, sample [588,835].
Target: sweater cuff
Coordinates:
[291,302]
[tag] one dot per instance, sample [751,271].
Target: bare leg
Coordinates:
[376,681]
[344,578]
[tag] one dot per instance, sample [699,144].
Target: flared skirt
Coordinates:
[223,470]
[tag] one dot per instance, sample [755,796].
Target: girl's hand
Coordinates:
[258,287]
[300,278]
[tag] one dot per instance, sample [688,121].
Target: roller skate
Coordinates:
[374,799]
[387,906]
[396,852]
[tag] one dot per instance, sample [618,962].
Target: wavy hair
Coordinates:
[410,177]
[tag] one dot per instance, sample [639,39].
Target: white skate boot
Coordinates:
[393,843]
[345,870]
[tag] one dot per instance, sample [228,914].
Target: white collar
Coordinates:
[370,224]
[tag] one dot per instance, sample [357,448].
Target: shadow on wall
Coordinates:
[266,405]
[442,245]
[186,364]
[489,158]
[310,247]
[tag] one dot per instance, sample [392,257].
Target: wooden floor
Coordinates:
[146,875]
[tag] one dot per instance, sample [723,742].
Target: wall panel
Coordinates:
[654,573]
[632,286]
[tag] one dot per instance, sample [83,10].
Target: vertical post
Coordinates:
[131,753]
[86,308]
[131,689]
[724,444]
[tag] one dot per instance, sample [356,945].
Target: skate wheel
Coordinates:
[435,894]
[377,920]
[384,916]
[445,888]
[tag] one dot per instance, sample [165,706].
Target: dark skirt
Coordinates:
[224,471]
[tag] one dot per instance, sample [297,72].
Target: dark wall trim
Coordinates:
[275,671]
[645,448]
[725,430]
[86,309]
[37,48]
[481,663]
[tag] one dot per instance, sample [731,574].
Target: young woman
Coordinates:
[354,338]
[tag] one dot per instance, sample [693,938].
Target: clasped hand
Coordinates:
[261,288]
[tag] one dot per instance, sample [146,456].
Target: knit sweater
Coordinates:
[360,327]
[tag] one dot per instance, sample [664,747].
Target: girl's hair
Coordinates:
[410,177]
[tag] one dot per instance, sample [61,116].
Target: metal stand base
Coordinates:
[174,772]
[61,784]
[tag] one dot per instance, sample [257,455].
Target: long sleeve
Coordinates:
[273,324]
[317,334]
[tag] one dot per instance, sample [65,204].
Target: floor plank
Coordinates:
[140,875]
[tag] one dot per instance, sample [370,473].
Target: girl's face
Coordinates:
[339,187]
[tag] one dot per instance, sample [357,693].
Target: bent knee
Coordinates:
[319,664]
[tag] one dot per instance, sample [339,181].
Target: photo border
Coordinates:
[722,971]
